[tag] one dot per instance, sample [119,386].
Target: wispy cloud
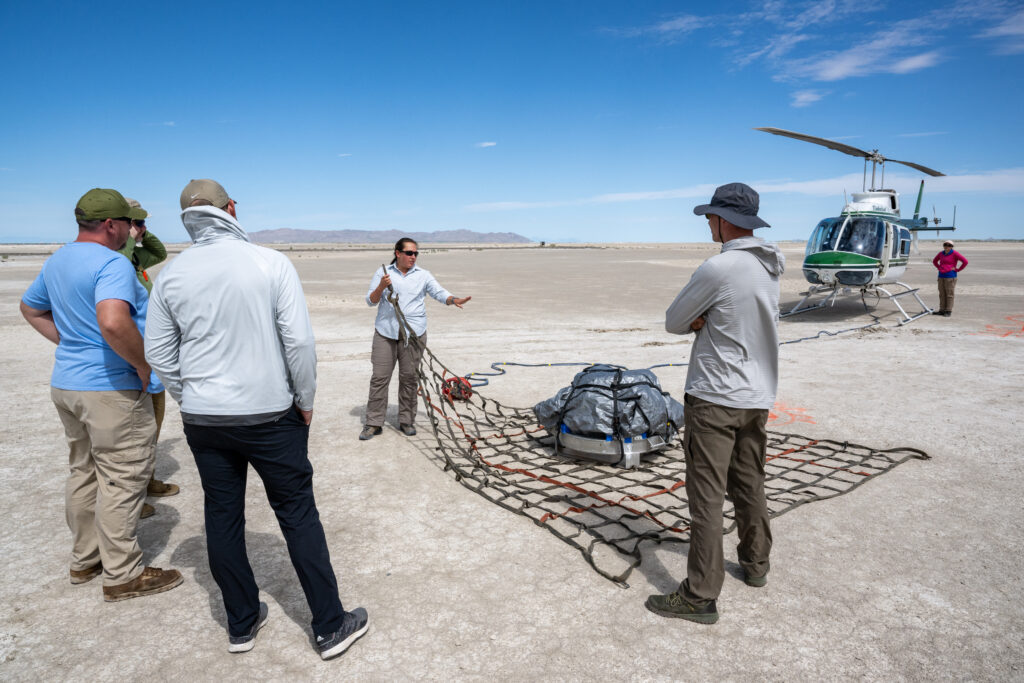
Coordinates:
[6,168]
[169,124]
[923,135]
[1009,181]
[805,98]
[481,145]
[345,154]
[1009,34]
[703,190]
[670,29]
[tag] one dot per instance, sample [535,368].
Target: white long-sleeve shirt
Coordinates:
[735,357]
[411,288]
[228,331]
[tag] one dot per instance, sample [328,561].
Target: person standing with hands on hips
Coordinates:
[949,262]
[410,284]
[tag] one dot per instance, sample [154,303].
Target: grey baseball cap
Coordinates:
[134,203]
[206,189]
[736,203]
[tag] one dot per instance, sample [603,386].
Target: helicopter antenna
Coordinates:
[864,180]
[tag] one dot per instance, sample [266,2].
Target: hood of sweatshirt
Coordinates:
[767,253]
[207,224]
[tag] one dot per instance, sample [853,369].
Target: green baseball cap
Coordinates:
[99,204]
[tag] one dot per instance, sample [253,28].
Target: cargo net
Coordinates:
[611,515]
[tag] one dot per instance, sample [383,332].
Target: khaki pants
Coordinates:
[725,452]
[112,438]
[383,355]
[947,285]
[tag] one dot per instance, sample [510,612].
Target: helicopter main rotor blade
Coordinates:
[831,144]
[919,167]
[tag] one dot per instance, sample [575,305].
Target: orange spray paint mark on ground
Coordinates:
[1014,327]
[782,414]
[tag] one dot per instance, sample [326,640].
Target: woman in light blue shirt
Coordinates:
[409,284]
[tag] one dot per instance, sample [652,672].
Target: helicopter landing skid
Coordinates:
[879,291]
[895,298]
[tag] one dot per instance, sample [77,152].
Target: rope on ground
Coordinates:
[612,515]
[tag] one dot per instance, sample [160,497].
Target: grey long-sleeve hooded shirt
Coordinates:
[228,332]
[735,357]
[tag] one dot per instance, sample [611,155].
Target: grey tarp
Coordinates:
[604,400]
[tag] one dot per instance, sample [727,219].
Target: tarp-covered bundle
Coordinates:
[607,401]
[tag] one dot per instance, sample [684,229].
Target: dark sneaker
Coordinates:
[676,606]
[246,642]
[85,575]
[147,511]
[947,313]
[159,489]
[408,430]
[352,629]
[369,431]
[938,313]
[152,580]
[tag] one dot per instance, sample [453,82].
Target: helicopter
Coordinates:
[868,245]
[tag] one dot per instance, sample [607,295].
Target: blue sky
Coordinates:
[581,120]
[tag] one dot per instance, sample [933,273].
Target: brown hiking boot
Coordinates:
[147,511]
[152,580]
[159,489]
[86,575]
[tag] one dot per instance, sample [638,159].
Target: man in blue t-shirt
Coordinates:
[88,302]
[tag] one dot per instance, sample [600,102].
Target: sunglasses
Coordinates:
[410,252]
[141,224]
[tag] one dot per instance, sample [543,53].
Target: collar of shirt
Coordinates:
[394,267]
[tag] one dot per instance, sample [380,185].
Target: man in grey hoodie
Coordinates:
[229,332]
[732,304]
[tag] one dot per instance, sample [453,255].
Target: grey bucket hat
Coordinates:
[736,203]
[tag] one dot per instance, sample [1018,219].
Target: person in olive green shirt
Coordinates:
[145,250]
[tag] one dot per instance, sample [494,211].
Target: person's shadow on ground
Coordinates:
[271,565]
[666,579]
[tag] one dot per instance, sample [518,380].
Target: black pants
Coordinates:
[278,452]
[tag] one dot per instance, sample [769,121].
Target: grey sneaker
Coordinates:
[675,605]
[408,430]
[352,629]
[369,431]
[248,641]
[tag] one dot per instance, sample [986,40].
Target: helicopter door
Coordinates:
[889,248]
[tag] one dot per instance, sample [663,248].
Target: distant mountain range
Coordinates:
[292,236]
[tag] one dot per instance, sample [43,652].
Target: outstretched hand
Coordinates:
[458,302]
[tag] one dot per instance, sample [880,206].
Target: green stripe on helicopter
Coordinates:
[840,258]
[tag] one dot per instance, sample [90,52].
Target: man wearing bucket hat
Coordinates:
[732,304]
[145,250]
[88,302]
[230,335]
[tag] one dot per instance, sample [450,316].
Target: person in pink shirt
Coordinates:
[949,262]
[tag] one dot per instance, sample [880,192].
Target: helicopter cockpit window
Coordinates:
[904,242]
[864,236]
[825,236]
